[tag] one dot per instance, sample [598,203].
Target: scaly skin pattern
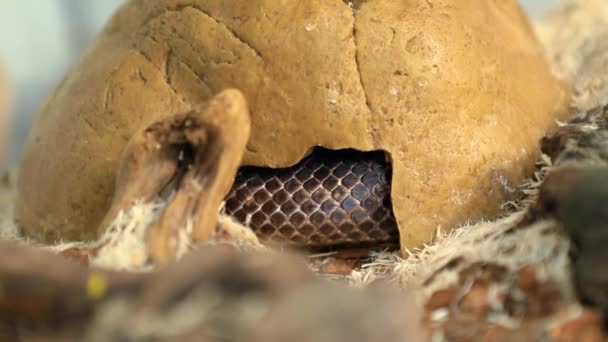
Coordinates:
[329,199]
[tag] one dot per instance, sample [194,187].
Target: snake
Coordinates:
[330,199]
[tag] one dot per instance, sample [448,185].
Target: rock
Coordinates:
[476,301]
[465,327]
[543,302]
[526,279]
[585,328]
[483,273]
[340,266]
[441,299]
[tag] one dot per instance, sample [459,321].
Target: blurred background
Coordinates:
[41,39]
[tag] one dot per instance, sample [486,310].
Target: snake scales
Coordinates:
[329,199]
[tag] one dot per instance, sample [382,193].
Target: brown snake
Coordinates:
[329,199]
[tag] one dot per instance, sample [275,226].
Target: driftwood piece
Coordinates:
[214,294]
[187,161]
[42,290]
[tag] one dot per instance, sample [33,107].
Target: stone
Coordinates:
[442,298]
[476,301]
[585,328]
[340,267]
[526,279]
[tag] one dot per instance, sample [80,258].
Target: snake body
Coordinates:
[329,199]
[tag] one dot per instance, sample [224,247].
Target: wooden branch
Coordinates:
[212,294]
[189,160]
[45,290]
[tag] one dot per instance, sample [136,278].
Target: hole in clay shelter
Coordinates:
[331,199]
